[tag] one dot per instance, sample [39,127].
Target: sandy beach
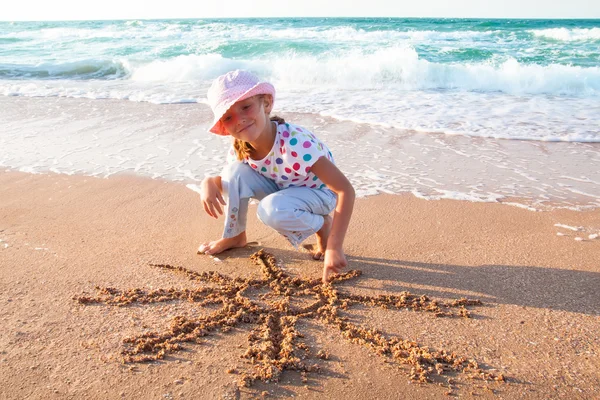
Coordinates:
[474,247]
[61,236]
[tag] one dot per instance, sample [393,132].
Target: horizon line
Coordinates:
[297,17]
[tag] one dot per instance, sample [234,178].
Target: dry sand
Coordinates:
[60,236]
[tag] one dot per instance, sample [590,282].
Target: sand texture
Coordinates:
[103,296]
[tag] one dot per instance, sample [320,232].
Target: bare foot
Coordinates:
[219,246]
[322,236]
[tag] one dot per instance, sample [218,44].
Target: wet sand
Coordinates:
[61,236]
[170,141]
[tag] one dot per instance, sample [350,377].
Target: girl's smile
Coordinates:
[244,128]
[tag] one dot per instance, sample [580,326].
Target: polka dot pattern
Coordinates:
[294,152]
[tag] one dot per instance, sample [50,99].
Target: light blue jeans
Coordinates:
[295,212]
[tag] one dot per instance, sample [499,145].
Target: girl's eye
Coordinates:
[247,106]
[227,118]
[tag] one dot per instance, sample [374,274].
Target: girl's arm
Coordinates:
[335,180]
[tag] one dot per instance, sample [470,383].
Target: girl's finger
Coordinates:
[220,198]
[211,210]
[206,210]
[217,206]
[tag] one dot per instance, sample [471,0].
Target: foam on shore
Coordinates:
[103,138]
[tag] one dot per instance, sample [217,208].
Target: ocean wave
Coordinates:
[403,69]
[474,113]
[400,67]
[77,70]
[61,34]
[349,34]
[189,68]
[10,40]
[568,35]
[133,31]
[134,23]
[235,32]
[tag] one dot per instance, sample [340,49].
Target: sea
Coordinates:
[442,108]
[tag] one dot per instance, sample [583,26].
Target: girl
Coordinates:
[284,166]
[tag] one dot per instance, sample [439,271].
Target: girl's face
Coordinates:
[248,119]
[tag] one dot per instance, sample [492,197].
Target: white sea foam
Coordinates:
[222,31]
[581,179]
[193,187]
[397,68]
[113,31]
[88,68]
[519,205]
[341,34]
[471,196]
[571,228]
[170,142]
[577,191]
[186,69]
[569,35]
[391,88]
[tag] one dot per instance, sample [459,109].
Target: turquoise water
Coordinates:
[574,43]
[514,79]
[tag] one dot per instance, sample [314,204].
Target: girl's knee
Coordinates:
[272,211]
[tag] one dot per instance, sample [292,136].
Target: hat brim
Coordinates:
[260,88]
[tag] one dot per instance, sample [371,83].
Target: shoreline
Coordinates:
[63,235]
[103,138]
[517,202]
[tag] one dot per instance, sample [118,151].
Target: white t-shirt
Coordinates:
[288,163]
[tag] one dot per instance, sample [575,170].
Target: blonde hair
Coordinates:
[244,149]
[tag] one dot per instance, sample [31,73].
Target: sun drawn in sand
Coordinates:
[274,304]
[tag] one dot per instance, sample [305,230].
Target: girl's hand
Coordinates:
[335,260]
[210,194]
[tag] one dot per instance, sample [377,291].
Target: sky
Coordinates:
[41,10]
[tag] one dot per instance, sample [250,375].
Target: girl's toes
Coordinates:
[204,248]
[210,251]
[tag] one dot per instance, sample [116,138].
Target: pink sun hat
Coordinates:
[230,88]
